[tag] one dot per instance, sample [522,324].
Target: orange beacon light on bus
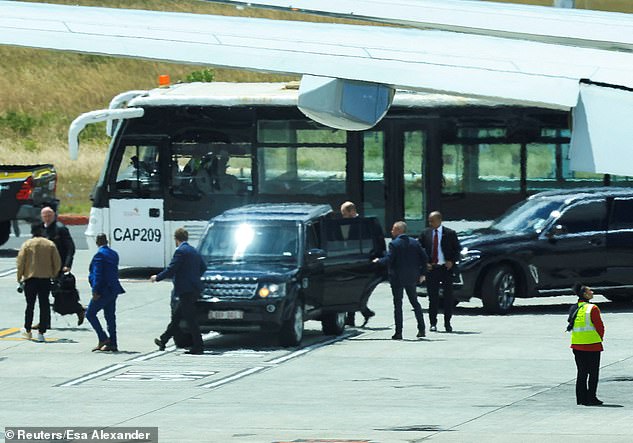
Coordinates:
[163,81]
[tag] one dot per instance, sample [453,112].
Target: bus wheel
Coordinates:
[333,323]
[499,289]
[5,231]
[291,332]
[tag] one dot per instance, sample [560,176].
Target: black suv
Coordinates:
[273,266]
[544,244]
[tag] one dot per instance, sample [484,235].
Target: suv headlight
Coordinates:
[469,256]
[272,290]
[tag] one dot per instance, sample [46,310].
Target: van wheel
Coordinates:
[333,323]
[291,332]
[499,289]
[5,231]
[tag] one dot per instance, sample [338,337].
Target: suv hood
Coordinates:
[267,271]
[488,236]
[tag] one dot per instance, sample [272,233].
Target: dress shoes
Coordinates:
[448,328]
[421,334]
[433,328]
[593,402]
[367,317]
[194,352]
[108,347]
[158,342]
[396,337]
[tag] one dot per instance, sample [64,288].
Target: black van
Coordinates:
[544,244]
[273,266]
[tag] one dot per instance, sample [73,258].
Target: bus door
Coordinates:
[136,205]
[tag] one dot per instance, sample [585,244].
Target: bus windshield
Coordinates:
[250,242]
[529,216]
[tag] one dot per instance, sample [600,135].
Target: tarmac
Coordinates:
[495,379]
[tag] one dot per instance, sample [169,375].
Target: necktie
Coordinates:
[435,245]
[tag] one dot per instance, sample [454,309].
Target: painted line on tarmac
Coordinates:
[8,331]
[234,377]
[92,375]
[307,349]
[7,272]
[276,361]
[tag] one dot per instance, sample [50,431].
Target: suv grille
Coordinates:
[230,288]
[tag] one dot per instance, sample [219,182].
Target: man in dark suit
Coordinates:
[55,231]
[353,231]
[407,264]
[185,269]
[442,246]
[104,281]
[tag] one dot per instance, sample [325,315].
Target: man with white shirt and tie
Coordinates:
[442,246]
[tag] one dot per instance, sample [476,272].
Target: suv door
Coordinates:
[348,269]
[620,243]
[574,248]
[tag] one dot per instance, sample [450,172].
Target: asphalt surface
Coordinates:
[495,379]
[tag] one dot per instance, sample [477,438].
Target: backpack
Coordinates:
[64,291]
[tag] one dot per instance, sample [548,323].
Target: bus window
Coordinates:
[138,172]
[204,169]
[313,171]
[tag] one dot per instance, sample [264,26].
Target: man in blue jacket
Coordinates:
[104,280]
[185,269]
[407,264]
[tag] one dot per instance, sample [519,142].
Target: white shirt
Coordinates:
[440,255]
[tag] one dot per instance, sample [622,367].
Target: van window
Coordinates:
[585,217]
[621,215]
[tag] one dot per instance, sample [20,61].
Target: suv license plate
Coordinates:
[226,315]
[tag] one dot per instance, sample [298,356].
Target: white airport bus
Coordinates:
[182,154]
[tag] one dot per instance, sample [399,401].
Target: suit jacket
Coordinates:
[59,234]
[185,269]
[406,259]
[104,273]
[449,244]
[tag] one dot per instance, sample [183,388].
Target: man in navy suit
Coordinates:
[185,269]
[407,264]
[442,246]
[104,280]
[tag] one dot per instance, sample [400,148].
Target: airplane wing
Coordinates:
[505,70]
[575,27]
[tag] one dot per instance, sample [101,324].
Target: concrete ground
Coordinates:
[495,379]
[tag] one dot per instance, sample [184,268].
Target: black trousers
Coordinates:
[396,291]
[440,277]
[37,288]
[184,309]
[588,365]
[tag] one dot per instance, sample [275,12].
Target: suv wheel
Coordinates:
[5,231]
[333,323]
[499,289]
[291,332]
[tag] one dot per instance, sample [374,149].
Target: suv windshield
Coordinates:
[251,242]
[528,216]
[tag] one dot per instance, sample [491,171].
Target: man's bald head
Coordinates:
[48,215]
[435,219]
